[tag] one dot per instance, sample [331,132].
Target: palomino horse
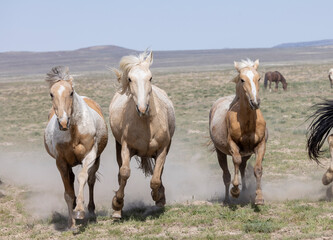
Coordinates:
[237,128]
[330,76]
[75,134]
[275,77]
[318,131]
[142,121]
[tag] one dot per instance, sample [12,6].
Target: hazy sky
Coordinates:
[45,25]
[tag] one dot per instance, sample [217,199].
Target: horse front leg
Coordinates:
[237,160]
[67,176]
[276,86]
[124,174]
[87,164]
[156,185]
[328,176]
[270,85]
[259,151]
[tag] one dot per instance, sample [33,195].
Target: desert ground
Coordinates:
[296,206]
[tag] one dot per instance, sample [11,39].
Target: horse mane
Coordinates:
[245,63]
[57,74]
[125,65]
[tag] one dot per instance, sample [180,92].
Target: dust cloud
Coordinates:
[186,179]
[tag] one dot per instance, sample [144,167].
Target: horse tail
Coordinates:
[266,80]
[146,164]
[319,128]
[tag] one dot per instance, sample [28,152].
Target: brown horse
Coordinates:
[330,76]
[142,121]
[75,134]
[237,128]
[275,77]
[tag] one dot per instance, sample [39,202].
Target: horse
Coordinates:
[142,121]
[237,128]
[318,131]
[330,77]
[275,77]
[76,133]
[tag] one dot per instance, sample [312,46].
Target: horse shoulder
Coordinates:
[51,113]
[93,105]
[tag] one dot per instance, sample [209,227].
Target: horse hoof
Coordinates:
[161,202]
[327,177]
[235,192]
[259,201]
[226,201]
[78,214]
[116,215]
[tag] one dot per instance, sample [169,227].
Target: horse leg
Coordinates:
[270,85]
[242,168]
[276,86]
[226,174]
[87,164]
[119,161]
[237,160]
[259,151]
[157,192]
[124,173]
[91,184]
[328,176]
[69,195]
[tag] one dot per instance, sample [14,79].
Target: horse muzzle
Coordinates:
[64,124]
[142,111]
[254,104]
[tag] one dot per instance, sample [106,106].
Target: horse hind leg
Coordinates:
[242,168]
[328,176]
[91,184]
[222,158]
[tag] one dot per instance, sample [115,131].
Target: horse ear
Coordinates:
[236,66]
[149,58]
[256,64]
[117,73]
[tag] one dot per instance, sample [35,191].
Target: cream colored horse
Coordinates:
[142,121]
[330,76]
[75,134]
[237,128]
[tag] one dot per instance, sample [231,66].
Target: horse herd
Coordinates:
[142,121]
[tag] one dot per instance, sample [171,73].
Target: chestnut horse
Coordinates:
[318,131]
[330,76]
[275,77]
[75,134]
[142,121]
[237,128]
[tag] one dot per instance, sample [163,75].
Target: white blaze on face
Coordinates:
[250,75]
[61,90]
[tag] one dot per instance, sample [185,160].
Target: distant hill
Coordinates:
[97,58]
[326,42]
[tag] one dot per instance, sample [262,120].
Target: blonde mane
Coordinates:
[125,66]
[57,74]
[245,63]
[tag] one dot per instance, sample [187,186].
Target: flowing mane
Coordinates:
[245,63]
[126,64]
[57,74]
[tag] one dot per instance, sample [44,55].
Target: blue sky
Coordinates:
[44,25]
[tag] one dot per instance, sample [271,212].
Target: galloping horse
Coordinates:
[237,128]
[330,76]
[318,131]
[142,121]
[275,77]
[75,134]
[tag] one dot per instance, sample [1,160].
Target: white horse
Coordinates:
[142,121]
[75,134]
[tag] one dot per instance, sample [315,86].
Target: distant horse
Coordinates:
[330,76]
[237,128]
[75,134]
[275,77]
[318,131]
[142,121]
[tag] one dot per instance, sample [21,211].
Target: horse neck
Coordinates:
[79,108]
[245,110]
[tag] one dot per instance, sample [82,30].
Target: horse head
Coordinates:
[61,92]
[135,77]
[248,82]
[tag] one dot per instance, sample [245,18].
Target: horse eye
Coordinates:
[51,95]
[151,79]
[72,94]
[242,80]
[129,80]
[259,79]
